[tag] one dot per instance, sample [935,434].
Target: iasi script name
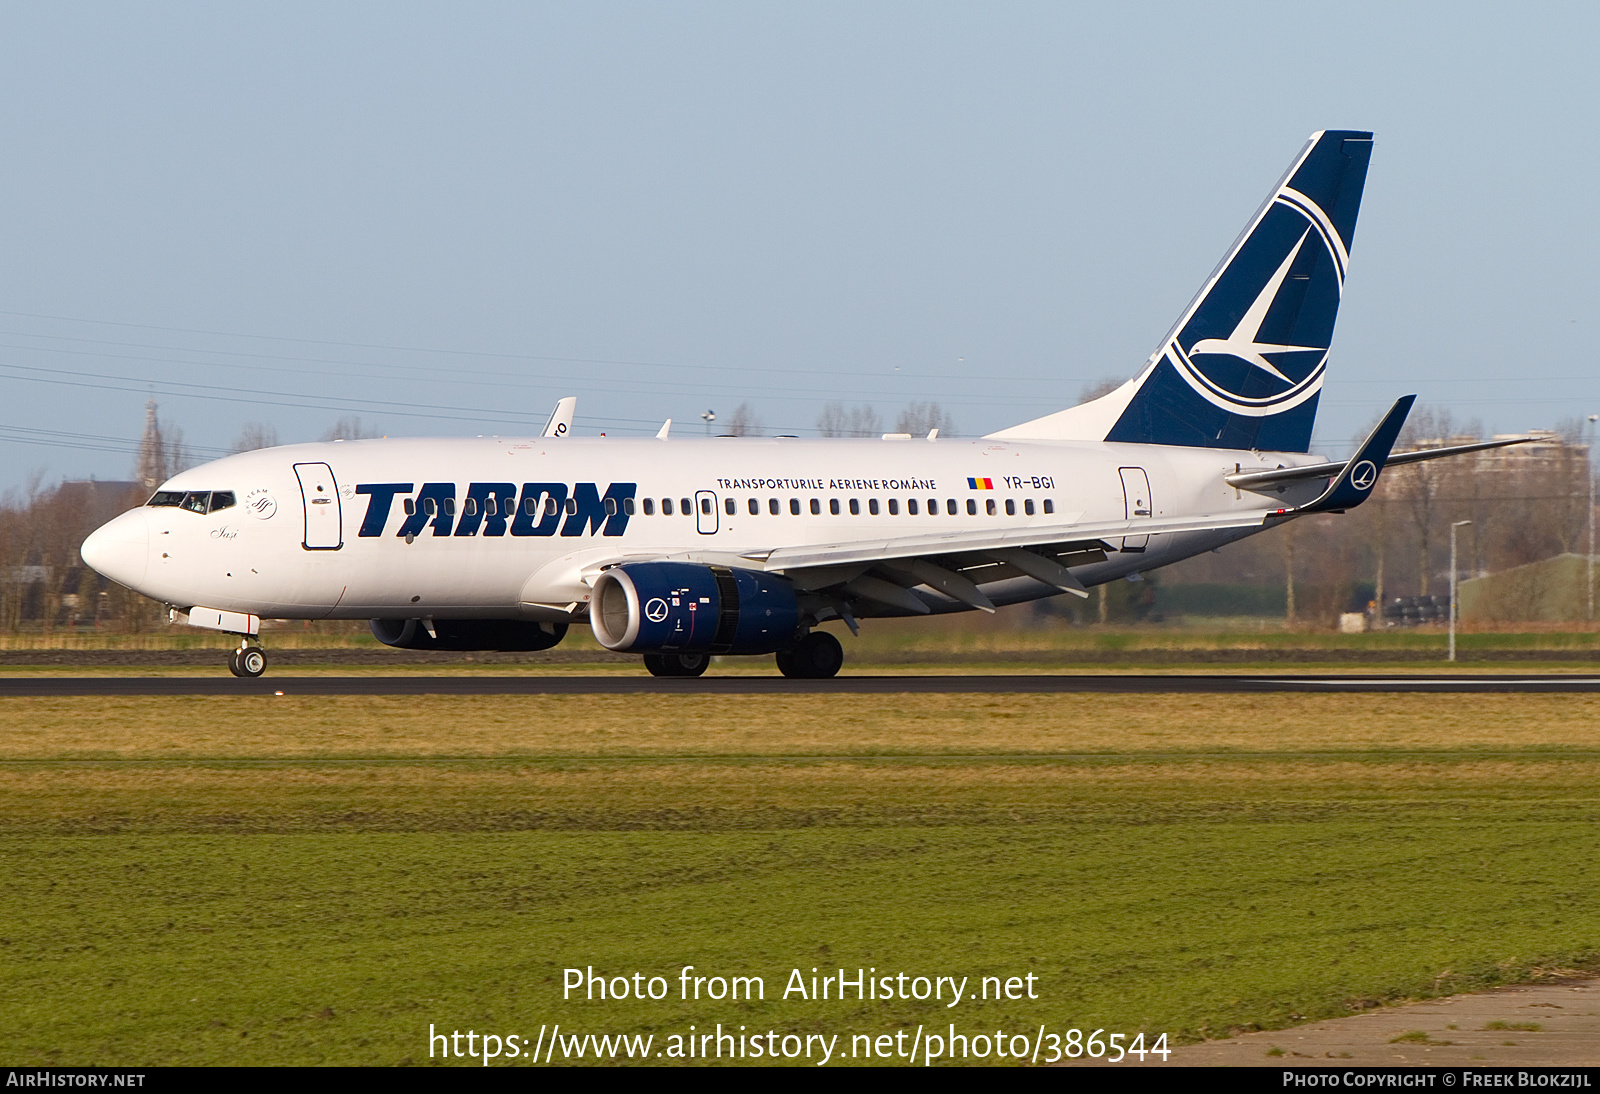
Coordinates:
[853,984]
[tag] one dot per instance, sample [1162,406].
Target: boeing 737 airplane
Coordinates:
[684,549]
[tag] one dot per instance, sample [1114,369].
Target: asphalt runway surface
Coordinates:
[1152,683]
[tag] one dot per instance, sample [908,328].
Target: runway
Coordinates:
[1169,683]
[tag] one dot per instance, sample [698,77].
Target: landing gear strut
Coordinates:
[247,661]
[817,656]
[677,664]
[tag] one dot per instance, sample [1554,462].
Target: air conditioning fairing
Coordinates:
[464,635]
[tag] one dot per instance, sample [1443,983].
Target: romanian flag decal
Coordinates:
[980,484]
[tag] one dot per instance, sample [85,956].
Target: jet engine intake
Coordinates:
[463,635]
[684,607]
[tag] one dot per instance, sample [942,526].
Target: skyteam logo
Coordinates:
[1257,340]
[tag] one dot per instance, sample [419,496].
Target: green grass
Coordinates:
[309,887]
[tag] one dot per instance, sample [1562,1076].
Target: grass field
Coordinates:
[299,880]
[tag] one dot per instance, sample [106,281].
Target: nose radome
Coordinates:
[120,549]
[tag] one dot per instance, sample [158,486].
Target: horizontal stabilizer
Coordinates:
[1250,480]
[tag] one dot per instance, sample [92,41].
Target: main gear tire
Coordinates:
[817,656]
[251,662]
[677,664]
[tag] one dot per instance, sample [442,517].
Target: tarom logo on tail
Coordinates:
[1243,368]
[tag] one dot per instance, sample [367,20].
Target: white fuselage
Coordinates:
[322,531]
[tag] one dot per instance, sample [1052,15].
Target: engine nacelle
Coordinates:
[463,635]
[684,607]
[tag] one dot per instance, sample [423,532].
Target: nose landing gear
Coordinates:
[247,661]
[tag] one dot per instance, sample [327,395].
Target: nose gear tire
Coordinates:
[248,662]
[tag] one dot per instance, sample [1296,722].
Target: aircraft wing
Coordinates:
[1038,535]
[954,563]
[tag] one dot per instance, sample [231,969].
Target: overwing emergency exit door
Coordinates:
[705,512]
[324,513]
[1136,501]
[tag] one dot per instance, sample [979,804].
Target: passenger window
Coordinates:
[529,506]
[666,507]
[705,505]
[794,507]
[627,506]
[729,506]
[872,506]
[855,508]
[911,507]
[933,507]
[1011,508]
[196,501]
[221,499]
[972,507]
[551,506]
[989,506]
[1027,507]
[469,507]
[611,507]
[166,497]
[650,507]
[686,509]
[754,506]
[950,506]
[894,507]
[490,507]
[411,507]
[773,507]
[430,507]
[449,507]
[572,506]
[1049,506]
[833,506]
[816,507]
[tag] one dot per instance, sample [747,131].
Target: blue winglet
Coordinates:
[1353,485]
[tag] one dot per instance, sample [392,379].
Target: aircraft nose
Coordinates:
[120,549]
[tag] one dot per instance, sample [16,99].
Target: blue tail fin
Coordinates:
[1244,366]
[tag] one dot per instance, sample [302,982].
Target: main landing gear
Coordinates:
[677,664]
[817,656]
[247,661]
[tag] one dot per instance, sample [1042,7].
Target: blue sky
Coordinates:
[442,218]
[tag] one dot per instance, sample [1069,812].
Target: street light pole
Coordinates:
[1588,467]
[708,417]
[1453,575]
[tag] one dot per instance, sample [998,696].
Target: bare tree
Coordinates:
[857,421]
[1421,487]
[1100,388]
[350,428]
[744,422]
[180,457]
[254,435]
[919,419]
[153,468]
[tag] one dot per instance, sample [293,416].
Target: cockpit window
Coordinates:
[196,501]
[221,499]
[166,497]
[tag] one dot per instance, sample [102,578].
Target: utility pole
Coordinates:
[1453,575]
[708,417]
